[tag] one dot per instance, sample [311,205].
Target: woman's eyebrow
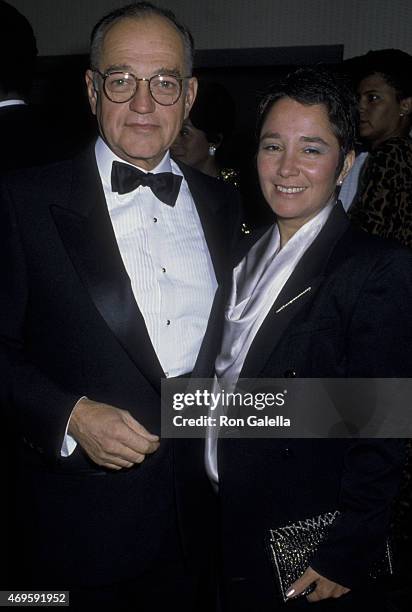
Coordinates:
[270,135]
[316,139]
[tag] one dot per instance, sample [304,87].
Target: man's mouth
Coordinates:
[141,126]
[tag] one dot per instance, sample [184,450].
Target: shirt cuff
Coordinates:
[69,443]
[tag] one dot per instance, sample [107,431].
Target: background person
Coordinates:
[383,204]
[202,139]
[23,142]
[313,298]
[29,135]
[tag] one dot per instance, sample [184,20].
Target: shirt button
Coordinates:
[154,219]
[163,270]
[168,322]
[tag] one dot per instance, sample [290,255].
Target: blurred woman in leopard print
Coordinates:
[383,204]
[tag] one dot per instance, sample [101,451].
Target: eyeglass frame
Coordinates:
[137,79]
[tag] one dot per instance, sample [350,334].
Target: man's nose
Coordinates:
[142,101]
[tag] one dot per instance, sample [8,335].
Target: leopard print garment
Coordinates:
[383,203]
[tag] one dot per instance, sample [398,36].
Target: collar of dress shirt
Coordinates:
[15,102]
[105,158]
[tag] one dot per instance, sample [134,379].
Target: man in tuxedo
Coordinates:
[111,264]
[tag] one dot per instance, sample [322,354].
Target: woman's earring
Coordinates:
[212,150]
[401,114]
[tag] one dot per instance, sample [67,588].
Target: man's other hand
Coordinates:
[110,436]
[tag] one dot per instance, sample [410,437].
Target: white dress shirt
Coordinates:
[165,254]
[166,257]
[256,283]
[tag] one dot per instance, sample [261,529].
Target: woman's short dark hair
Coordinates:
[310,86]
[139,10]
[394,65]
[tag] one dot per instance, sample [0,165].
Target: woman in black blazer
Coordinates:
[312,298]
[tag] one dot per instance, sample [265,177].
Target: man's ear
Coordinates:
[190,95]
[91,90]
[347,165]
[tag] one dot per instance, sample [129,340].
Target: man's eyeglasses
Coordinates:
[120,87]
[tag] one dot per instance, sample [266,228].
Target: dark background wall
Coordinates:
[63,26]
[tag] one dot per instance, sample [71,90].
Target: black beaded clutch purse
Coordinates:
[291,548]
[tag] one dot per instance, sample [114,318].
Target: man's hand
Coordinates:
[325,588]
[110,436]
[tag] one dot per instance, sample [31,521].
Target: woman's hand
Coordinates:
[325,588]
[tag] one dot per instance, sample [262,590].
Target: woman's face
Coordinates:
[191,146]
[297,161]
[379,110]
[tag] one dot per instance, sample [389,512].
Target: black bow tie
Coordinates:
[165,185]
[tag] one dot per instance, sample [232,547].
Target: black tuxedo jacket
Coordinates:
[70,326]
[354,322]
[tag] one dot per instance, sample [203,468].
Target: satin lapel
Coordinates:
[210,203]
[298,290]
[86,231]
[204,367]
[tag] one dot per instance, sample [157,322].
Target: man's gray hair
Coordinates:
[138,10]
